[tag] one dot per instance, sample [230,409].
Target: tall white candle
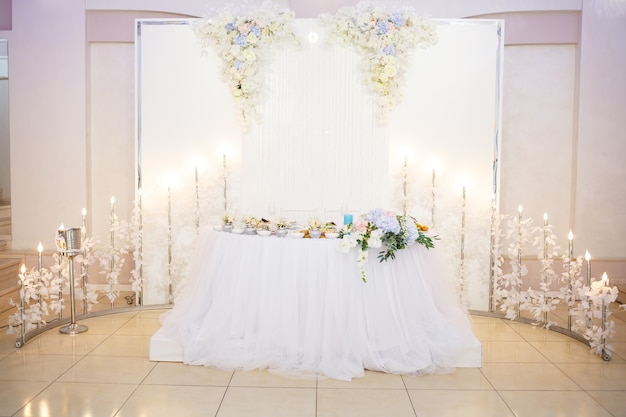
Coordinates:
[432,197]
[112,219]
[570,237]
[588,259]
[197,198]
[225,177]
[39,257]
[83,226]
[605,279]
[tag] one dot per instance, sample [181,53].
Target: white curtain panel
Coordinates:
[319,149]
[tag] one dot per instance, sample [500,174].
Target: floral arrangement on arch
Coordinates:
[385,230]
[238,36]
[386,39]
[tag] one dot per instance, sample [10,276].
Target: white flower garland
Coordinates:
[386,39]
[240,38]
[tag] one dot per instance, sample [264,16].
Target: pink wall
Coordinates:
[6,14]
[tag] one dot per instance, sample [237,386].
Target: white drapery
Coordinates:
[319,150]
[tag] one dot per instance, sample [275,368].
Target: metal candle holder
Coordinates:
[570,286]
[169,243]
[462,261]
[519,260]
[545,260]
[83,266]
[69,245]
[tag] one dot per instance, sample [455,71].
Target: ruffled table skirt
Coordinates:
[299,307]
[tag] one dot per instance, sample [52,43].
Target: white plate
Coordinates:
[331,235]
[263,232]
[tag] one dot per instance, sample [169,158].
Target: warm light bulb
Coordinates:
[587,256]
[570,235]
[40,247]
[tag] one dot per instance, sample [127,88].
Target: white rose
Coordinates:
[248,54]
[375,239]
[251,38]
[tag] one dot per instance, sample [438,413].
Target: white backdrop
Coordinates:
[319,149]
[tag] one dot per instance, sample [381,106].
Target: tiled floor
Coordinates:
[527,372]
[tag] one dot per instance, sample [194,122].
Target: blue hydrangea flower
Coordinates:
[230,27]
[374,214]
[381,27]
[397,19]
[241,40]
[388,224]
[237,64]
[389,50]
[256,30]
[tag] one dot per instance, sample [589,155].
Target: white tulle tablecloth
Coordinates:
[299,306]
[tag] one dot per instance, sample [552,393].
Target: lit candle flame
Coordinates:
[61,228]
[605,279]
[40,248]
[520,209]
[545,217]
[84,212]
[112,200]
[23,269]
[570,235]
[587,256]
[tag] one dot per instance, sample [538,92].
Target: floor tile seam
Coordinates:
[453,389]
[529,342]
[164,384]
[508,406]
[219,406]
[481,370]
[408,394]
[127,398]
[137,385]
[533,362]
[272,387]
[117,356]
[564,373]
[34,396]
[368,388]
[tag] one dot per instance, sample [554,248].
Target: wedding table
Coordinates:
[299,306]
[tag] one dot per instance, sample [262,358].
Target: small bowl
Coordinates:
[331,235]
[263,232]
[297,235]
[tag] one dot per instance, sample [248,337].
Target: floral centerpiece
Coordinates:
[385,230]
[238,36]
[251,221]
[281,223]
[385,38]
[228,219]
[315,223]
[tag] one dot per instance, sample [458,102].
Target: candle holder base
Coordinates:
[73,328]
